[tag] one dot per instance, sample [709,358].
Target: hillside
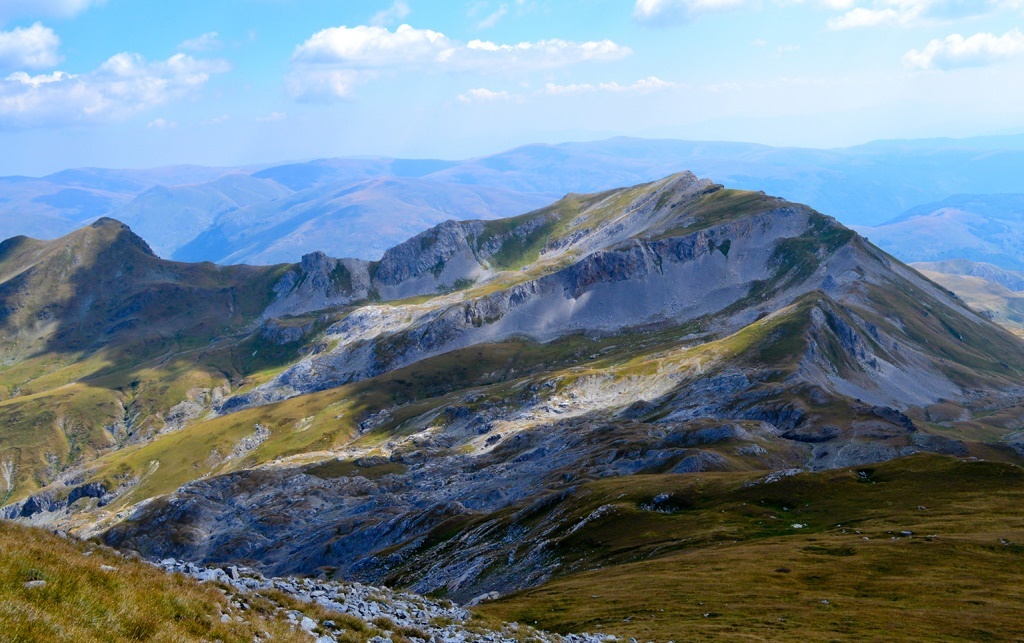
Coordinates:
[992,291]
[986,228]
[422,420]
[58,589]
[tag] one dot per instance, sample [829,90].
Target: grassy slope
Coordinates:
[727,562]
[101,339]
[999,303]
[126,601]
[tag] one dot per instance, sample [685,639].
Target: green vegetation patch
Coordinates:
[923,548]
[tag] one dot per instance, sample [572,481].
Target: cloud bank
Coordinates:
[956,51]
[122,86]
[330,63]
[34,47]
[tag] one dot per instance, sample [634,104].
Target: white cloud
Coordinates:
[48,8]
[216,120]
[272,117]
[122,86]
[395,13]
[483,95]
[684,10]
[161,123]
[205,42]
[34,47]
[909,13]
[562,90]
[862,17]
[643,86]
[493,18]
[957,51]
[333,61]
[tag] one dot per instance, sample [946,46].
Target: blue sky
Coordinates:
[137,83]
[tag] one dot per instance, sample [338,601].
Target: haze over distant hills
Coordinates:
[985,228]
[360,207]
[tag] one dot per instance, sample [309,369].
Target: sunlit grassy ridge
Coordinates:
[819,556]
[101,339]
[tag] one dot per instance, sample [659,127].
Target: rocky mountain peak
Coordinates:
[118,234]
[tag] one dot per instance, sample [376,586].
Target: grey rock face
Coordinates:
[320,282]
[640,282]
[50,501]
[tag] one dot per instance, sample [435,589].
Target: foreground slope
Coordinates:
[921,548]
[59,590]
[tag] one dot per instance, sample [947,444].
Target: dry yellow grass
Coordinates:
[92,594]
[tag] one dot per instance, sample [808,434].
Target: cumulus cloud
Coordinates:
[48,8]
[124,85]
[643,86]
[956,51]
[396,12]
[483,94]
[333,61]
[205,42]
[34,47]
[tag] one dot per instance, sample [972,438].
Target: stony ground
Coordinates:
[398,617]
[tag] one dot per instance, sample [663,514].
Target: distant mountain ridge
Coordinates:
[360,207]
[994,292]
[981,228]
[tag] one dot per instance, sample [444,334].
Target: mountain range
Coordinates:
[361,207]
[485,408]
[985,228]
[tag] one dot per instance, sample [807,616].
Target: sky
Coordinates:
[145,83]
